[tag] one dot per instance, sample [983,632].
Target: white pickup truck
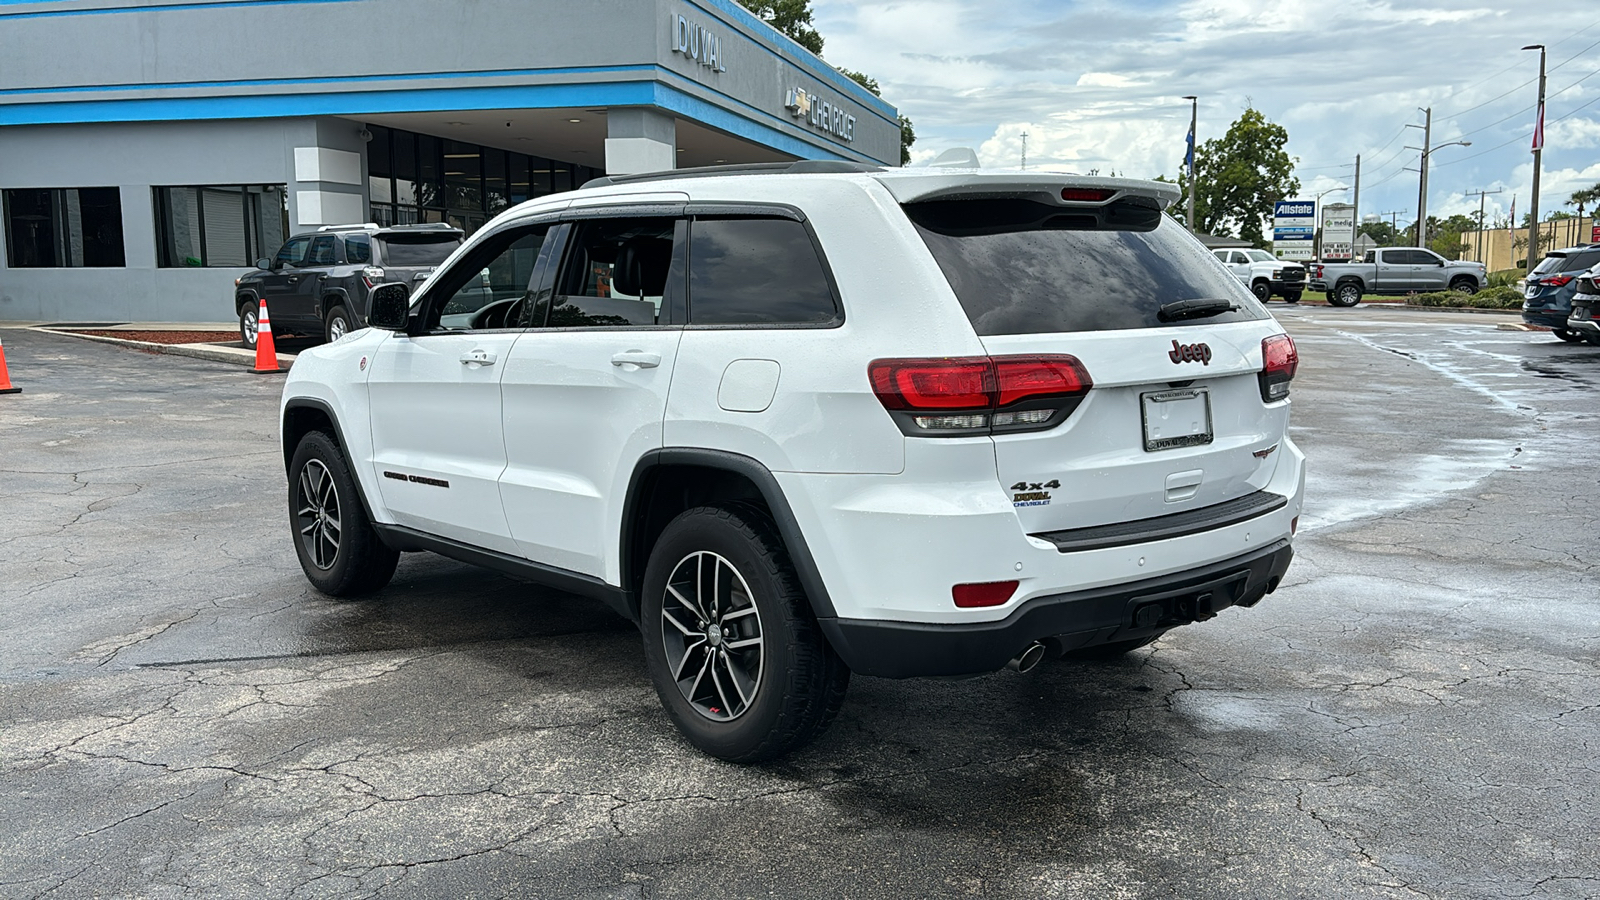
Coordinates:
[1264,274]
[1394,271]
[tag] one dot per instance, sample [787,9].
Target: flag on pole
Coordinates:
[1511,223]
[1538,130]
[1188,157]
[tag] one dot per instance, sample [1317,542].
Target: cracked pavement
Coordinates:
[1415,713]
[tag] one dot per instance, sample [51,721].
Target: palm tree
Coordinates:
[1586,197]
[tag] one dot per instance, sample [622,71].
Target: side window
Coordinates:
[757,271]
[1239,257]
[321,252]
[1372,256]
[490,286]
[358,249]
[615,274]
[1221,255]
[294,252]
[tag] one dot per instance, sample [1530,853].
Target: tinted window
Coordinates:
[321,252]
[757,272]
[1020,267]
[417,249]
[616,273]
[358,249]
[294,252]
[64,227]
[1567,262]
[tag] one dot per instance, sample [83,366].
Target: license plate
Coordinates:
[1178,418]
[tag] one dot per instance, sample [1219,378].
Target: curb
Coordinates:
[211,353]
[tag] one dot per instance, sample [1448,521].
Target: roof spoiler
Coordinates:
[1044,187]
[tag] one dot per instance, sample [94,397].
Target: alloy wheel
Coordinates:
[711,630]
[317,514]
[336,328]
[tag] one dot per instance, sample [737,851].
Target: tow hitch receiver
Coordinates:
[1196,603]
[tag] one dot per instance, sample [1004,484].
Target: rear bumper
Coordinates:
[1583,326]
[1549,318]
[1077,619]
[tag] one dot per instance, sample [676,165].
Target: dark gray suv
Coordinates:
[318,284]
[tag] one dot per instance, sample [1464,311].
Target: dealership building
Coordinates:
[151,151]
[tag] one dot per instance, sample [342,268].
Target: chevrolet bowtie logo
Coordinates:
[798,102]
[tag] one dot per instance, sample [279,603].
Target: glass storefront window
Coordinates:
[49,228]
[495,195]
[219,225]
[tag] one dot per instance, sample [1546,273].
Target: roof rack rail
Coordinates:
[799,167]
[421,226]
[361,226]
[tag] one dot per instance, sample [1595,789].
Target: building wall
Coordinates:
[1502,249]
[135,157]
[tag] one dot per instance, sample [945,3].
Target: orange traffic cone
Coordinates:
[266,352]
[5,379]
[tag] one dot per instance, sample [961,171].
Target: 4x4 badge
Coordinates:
[1182,353]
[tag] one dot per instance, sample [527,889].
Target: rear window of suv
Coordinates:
[1567,262]
[417,249]
[1024,267]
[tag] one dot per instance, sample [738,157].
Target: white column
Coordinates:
[640,140]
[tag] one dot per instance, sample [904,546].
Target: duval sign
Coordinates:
[697,43]
[820,114]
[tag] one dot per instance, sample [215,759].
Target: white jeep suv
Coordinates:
[803,420]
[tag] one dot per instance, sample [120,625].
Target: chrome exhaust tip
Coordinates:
[1028,659]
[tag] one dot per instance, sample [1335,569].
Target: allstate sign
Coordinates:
[1294,209]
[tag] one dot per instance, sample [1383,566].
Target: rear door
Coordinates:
[1175,418]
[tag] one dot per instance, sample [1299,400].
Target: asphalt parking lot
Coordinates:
[1414,714]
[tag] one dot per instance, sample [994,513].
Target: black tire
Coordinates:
[799,682]
[1464,285]
[1593,339]
[337,325]
[1113,650]
[1292,297]
[348,559]
[1328,296]
[1262,290]
[1570,337]
[248,310]
[1346,294]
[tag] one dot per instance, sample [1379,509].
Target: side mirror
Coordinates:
[1439,263]
[390,307]
[264,263]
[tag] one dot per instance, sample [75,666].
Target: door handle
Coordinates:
[293,278]
[477,358]
[638,358]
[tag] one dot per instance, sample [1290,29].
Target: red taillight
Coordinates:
[979,394]
[1556,280]
[1085,195]
[989,593]
[1279,361]
[954,383]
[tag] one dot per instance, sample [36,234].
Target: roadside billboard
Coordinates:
[1294,225]
[1338,231]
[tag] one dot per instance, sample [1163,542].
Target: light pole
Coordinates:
[1316,243]
[1422,195]
[1481,195]
[1538,151]
[1194,119]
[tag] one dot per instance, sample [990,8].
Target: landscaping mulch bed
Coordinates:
[167,337]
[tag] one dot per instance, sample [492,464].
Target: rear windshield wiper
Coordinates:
[1194,309]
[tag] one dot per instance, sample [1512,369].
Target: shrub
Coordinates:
[1496,297]
[1505,277]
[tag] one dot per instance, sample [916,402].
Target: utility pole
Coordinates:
[1538,151]
[1422,178]
[1481,195]
[1194,119]
[1355,214]
[1024,150]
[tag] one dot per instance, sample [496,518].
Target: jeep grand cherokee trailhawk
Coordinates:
[804,420]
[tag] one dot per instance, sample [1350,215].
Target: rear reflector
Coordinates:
[979,394]
[989,593]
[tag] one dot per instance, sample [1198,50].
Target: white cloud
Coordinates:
[1097,83]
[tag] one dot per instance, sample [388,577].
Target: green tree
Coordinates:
[1383,233]
[908,135]
[792,17]
[1444,237]
[1241,175]
[1585,197]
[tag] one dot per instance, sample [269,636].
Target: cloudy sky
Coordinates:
[1097,85]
